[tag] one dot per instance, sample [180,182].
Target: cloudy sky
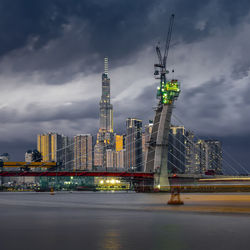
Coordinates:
[51,60]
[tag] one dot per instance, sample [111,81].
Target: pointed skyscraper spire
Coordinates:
[106,65]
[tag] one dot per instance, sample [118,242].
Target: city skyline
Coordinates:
[88,155]
[54,94]
[124,124]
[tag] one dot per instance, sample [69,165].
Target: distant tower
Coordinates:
[105,136]
[106,108]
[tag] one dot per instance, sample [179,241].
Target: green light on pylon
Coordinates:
[169,91]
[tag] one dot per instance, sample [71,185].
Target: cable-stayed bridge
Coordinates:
[160,164]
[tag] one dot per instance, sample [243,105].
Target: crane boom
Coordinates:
[168,40]
[158,51]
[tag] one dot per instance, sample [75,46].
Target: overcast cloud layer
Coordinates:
[51,60]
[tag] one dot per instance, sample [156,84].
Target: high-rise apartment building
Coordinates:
[145,140]
[110,158]
[118,143]
[201,149]
[105,136]
[176,149]
[120,159]
[83,152]
[134,144]
[191,154]
[67,153]
[209,156]
[50,147]
[214,156]
[148,130]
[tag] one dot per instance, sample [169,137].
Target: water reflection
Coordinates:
[112,240]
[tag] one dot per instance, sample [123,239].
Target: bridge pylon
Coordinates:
[157,150]
[167,92]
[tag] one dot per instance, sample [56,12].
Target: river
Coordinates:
[106,220]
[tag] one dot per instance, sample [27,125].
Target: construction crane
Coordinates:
[167,91]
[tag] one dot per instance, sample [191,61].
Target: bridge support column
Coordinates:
[157,151]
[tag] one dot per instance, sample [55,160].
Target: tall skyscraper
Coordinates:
[83,152]
[50,147]
[134,144]
[105,136]
[106,108]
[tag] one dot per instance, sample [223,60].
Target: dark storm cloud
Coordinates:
[21,20]
[83,28]
[209,103]
[54,34]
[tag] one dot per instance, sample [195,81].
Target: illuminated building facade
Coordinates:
[118,143]
[120,152]
[83,152]
[134,144]
[50,145]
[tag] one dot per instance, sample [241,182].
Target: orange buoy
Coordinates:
[52,191]
[175,198]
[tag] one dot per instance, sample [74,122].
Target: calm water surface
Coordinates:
[86,220]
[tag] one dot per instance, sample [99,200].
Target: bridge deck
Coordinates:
[77,173]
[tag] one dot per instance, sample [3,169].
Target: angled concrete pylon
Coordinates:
[167,92]
[157,149]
